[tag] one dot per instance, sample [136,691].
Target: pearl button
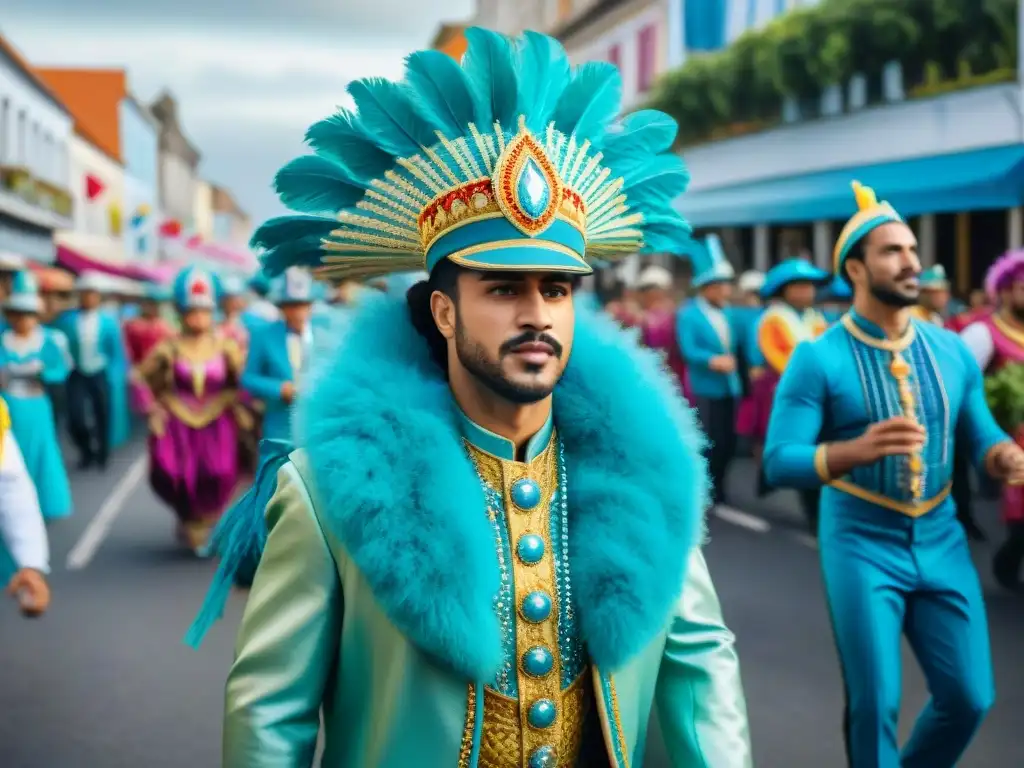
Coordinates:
[542,757]
[538,661]
[542,713]
[525,493]
[530,548]
[536,607]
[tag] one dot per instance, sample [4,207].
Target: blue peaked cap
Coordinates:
[792,271]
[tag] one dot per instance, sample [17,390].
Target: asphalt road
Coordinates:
[103,681]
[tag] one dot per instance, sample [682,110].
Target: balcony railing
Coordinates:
[36,192]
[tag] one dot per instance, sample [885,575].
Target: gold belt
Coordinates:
[910,510]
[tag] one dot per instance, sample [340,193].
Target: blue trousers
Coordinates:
[887,575]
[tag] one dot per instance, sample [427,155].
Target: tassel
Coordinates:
[239,539]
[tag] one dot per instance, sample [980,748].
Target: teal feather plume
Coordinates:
[490,62]
[387,114]
[543,76]
[340,138]
[662,176]
[441,92]
[590,102]
[283,229]
[666,231]
[314,184]
[303,251]
[638,135]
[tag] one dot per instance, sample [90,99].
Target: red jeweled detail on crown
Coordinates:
[199,288]
[462,194]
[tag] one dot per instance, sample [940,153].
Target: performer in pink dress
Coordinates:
[194,412]
[141,336]
[997,342]
[658,322]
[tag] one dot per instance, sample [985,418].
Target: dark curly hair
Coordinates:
[445,279]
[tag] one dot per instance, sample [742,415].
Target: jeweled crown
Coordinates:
[510,161]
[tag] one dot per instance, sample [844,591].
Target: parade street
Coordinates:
[104,681]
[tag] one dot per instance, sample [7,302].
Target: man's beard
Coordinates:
[489,373]
[890,296]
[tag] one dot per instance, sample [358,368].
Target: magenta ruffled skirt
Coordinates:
[195,471]
[756,408]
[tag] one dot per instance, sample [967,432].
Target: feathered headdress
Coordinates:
[870,215]
[1006,270]
[509,161]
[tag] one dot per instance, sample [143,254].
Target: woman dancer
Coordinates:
[30,358]
[142,334]
[194,412]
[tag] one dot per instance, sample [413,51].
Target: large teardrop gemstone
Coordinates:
[534,192]
[527,186]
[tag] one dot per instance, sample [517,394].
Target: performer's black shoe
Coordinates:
[85,463]
[1006,569]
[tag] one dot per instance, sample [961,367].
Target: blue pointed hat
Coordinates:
[24,294]
[512,160]
[710,264]
[792,271]
[195,288]
[294,286]
[870,215]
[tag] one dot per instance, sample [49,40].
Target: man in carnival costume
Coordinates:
[934,302]
[790,287]
[708,343]
[517,539]
[997,343]
[869,411]
[100,364]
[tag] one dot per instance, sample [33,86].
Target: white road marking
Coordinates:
[94,534]
[806,539]
[742,519]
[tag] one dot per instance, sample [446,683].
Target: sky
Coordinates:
[248,82]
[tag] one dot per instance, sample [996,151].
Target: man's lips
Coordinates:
[536,352]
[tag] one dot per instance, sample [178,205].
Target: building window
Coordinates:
[22,138]
[34,150]
[646,57]
[615,56]
[5,130]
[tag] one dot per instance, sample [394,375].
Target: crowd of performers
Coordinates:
[729,345]
[474,535]
[207,364]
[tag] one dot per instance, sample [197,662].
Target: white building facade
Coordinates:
[35,133]
[98,190]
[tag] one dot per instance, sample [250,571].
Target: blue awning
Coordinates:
[965,181]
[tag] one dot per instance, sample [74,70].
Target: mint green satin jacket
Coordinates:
[315,642]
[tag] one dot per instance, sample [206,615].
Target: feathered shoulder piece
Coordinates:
[511,160]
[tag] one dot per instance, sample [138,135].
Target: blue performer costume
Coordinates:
[894,557]
[29,362]
[434,594]
[705,333]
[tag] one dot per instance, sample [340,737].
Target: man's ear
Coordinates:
[443,309]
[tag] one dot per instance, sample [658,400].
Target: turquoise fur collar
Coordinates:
[394,484]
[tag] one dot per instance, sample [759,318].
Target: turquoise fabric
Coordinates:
[33,423]
[886,572]
[699,342]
